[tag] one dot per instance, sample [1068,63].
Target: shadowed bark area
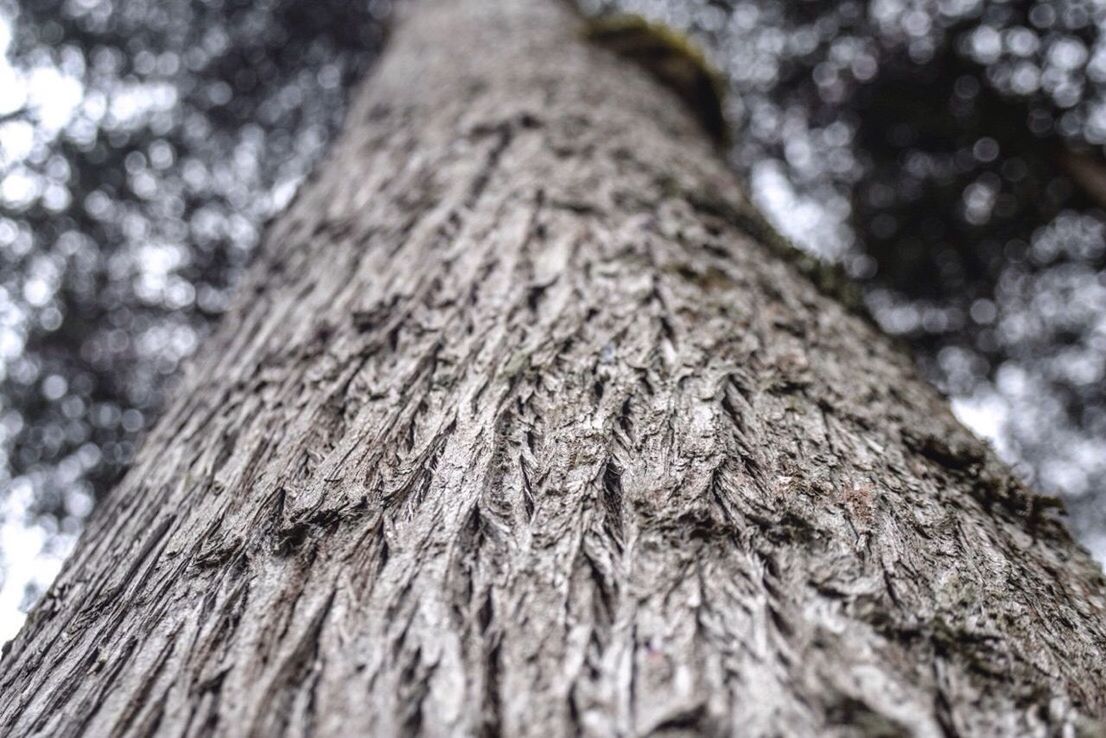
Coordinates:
[518,429]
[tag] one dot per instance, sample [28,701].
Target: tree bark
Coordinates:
[520,428]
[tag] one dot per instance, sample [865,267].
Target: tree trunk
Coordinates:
[520,428]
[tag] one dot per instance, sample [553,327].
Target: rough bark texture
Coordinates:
[517,429]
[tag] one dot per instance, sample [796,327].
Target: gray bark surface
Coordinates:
[519,429]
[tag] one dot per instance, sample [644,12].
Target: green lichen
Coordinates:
[673,59]
[830,279]
[519,362]
[991,486]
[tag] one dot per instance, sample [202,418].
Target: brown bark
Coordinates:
[517,429]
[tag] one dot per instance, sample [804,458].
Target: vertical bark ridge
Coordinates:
[516,430]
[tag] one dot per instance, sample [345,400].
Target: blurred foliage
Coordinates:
[144,143]
[946,152]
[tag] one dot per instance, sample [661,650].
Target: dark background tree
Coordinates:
[947,154]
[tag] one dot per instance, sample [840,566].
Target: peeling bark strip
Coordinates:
[508,436]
